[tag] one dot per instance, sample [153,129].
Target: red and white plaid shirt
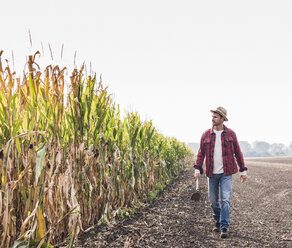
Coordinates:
[230,151]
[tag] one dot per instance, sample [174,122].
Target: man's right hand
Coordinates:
[197,175]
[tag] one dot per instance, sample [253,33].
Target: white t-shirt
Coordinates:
[218,159]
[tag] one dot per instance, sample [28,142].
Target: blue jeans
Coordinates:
[220,213]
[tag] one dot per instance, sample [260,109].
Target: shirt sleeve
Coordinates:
[238,154]
[201,156]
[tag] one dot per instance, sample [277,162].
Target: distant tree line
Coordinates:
[257,149]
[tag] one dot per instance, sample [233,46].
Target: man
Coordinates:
[219,146]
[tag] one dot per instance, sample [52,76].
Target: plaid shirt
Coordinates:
[230,149]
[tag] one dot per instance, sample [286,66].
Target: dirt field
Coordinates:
[261,214]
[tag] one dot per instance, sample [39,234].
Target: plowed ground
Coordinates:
[261,214]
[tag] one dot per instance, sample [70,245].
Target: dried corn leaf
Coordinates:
[41,225]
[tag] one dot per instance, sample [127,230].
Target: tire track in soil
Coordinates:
[261,215]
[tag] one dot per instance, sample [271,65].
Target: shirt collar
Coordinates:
[224,129]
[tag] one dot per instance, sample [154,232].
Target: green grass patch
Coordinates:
[157,188]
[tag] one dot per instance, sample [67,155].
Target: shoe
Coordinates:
[217,227]
[224,233]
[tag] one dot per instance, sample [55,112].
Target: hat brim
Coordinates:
[217,112]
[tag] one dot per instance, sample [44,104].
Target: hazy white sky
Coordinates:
[172,61]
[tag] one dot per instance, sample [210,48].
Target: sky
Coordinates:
[171,61]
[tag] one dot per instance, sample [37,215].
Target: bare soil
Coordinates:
[261,214]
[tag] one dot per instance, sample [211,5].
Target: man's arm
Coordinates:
[239,159]
[200,159]
[238,154]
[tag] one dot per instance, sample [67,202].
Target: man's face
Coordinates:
[217,120]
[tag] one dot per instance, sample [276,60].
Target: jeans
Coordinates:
[220,213]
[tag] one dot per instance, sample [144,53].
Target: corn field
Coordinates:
[67,160]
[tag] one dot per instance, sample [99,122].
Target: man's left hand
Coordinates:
[243,178]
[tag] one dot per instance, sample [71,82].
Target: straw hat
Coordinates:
[221,111]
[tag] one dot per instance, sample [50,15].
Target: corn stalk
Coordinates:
[69,161]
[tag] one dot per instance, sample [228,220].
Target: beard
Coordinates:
[214,123]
